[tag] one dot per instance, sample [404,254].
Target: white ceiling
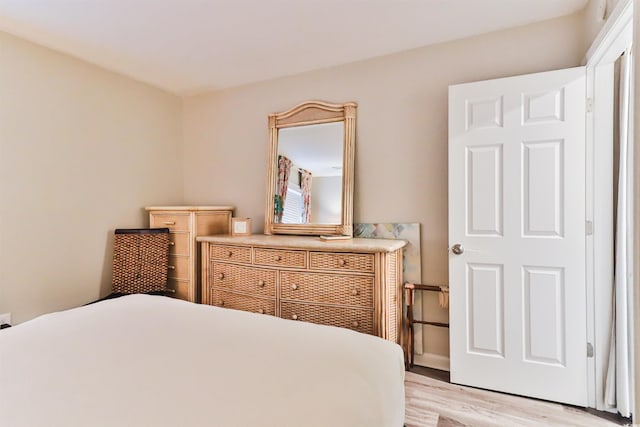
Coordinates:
[189,46]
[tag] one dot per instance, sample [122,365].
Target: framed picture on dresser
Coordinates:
[240,226]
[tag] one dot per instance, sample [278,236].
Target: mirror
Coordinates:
[311,157]
[310,170]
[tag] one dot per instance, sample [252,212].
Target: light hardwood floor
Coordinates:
[436,403]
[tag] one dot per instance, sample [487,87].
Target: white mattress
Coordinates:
[153,361]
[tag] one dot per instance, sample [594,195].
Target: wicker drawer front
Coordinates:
[296,259]
[179,267]
[357,320]
[243,302]
[230,253]
[174,222]
[179,244]
[345,262]
[255,281]
[327,288]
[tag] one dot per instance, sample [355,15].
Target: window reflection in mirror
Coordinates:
[309,174]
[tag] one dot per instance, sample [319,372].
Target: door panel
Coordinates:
[486,319]
[484,172]
[517,208]
[544,315]
[542,165]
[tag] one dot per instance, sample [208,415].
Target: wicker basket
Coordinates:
[140,260]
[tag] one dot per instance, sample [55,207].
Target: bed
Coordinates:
[143,360]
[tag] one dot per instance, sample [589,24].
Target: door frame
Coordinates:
[613,39]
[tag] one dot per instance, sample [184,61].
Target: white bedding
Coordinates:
[147,360]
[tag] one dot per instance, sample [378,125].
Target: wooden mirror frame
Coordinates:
[311,113]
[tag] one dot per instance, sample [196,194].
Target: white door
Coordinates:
[517,212]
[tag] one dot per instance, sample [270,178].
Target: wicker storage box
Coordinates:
[140,260]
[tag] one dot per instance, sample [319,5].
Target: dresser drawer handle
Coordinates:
[171,267]
[221,276]
[278,257]
[221,303]
[342,262]
[230,254]
[261,311]
[355,292]
[355,323]
[261,283]
[169,223]
[172,243]
[294,287]
[294,317]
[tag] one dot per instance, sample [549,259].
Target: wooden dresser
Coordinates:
[185,223]
[355,284]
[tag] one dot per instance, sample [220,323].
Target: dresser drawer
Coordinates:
[357,320]
[243,302]
[281,258]
[230,253]
[327,288]
[174,222]
[179,244]
[345,262]
[180,287]
[179,267]
[255,281]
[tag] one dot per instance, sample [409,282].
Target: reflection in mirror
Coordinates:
[309,180]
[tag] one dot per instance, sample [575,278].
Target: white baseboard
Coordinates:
[431,360]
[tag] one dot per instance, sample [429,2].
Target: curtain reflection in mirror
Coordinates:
[305,188]
[284,169]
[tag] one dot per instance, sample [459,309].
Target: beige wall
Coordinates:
[401,150]
[593,17]
[82,150]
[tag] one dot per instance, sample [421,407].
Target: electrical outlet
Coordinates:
[5,318]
